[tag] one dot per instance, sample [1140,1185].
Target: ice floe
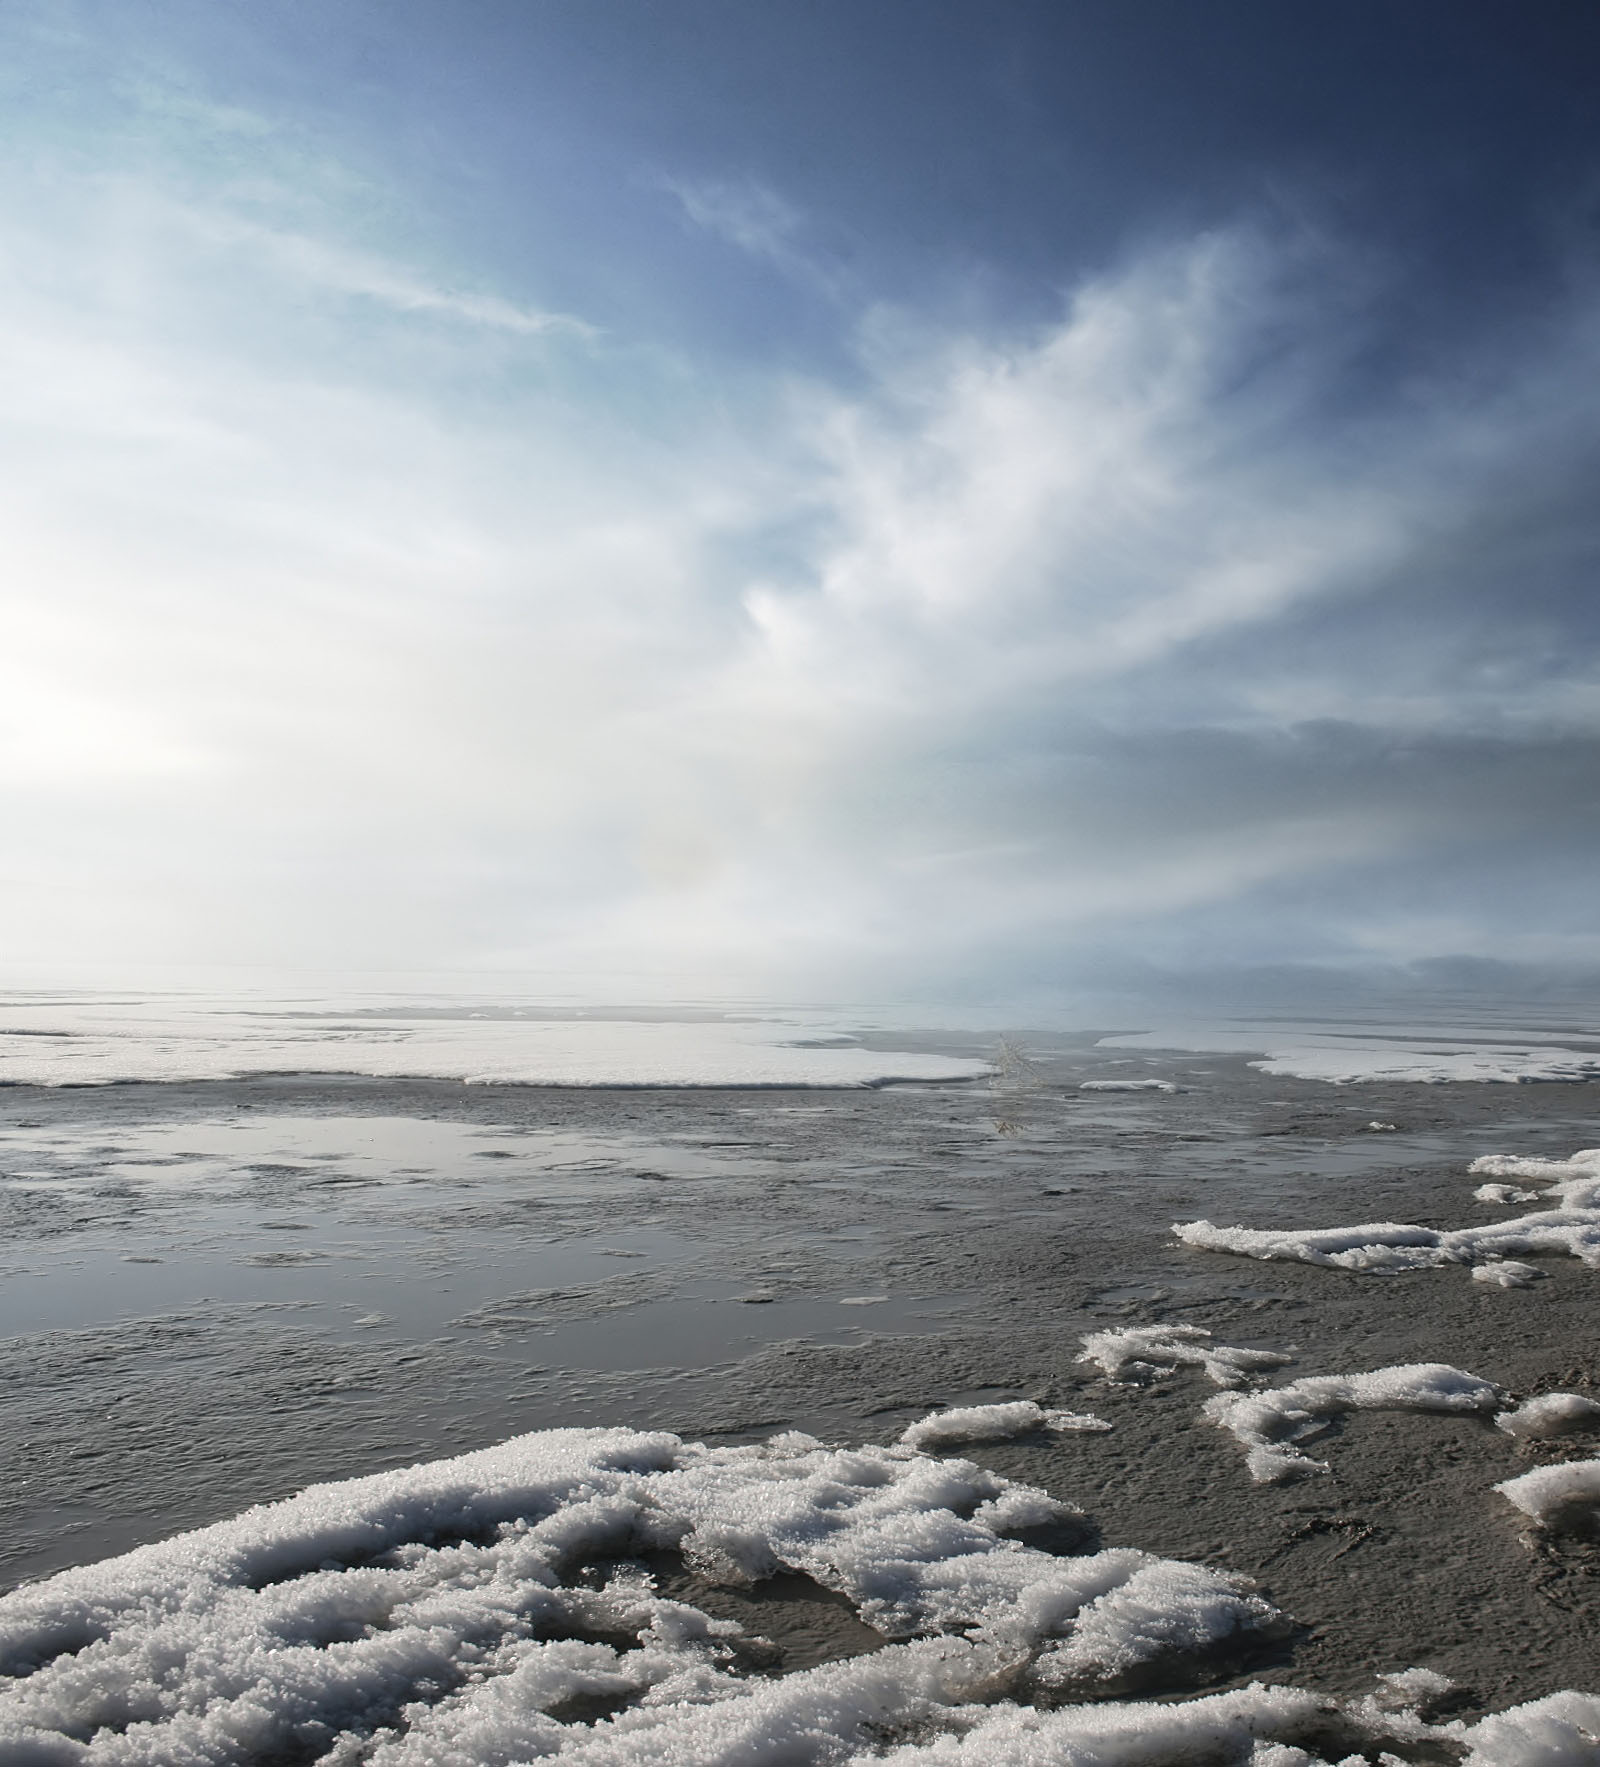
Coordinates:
[1385,1247]
[1551,1414]
[1566,1496]
[1273,1422]
[1347,1055]
[102,1043]
[437,1614]
[1129,1086]
[994,1423]
[1138,1351]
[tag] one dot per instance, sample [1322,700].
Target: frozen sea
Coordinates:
[644,1310]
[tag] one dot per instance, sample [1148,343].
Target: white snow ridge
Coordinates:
[1383,1248]
[499,1608]
[430,1618]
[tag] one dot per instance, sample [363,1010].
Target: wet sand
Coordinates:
[337,1276]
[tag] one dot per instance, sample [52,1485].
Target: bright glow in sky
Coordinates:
[824,498]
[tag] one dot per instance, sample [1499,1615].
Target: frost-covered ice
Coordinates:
[1507,1273]
[107,1042]
[994,1423]
[1551,1414]
[1558,1497]
[1574,1182]
[1385,1247]
[1352,1054]
[1259,1726]
[1128,1086]
[429,1617]
[1142,1350]
[1270,1424]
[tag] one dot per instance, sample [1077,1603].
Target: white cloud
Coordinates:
[318,666]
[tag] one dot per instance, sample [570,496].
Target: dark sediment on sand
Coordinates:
[710,1262]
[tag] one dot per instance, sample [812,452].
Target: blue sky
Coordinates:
[814,498]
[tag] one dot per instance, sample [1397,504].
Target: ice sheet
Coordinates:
[102,1043]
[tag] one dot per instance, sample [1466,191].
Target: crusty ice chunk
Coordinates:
[1551,1414]
[993,1423]
[1142,1350]
[1558,1497]
[1271,1423]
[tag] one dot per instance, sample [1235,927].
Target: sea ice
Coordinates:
[1353,1054]
[1128,1086]
[1384,1247]
[1551,1414]
[1507,1273]
[1558,1497]
[1503,1193]
[1270,1423]
[432,1617]
[993,1423]
[1142,1350]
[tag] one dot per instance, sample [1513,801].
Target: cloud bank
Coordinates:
[361,613]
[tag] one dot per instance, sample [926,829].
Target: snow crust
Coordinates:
[1386,1247]
[1140,1351]
[430,1616]
[1272,1423]
[1558,1497]
[993,1423]
[1551,1414]
[105,1043]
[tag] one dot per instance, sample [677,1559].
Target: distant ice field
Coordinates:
[99,1040]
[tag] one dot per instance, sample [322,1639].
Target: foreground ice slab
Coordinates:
[443,1616]
[434,1615]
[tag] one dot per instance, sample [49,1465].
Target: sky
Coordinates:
[825,498]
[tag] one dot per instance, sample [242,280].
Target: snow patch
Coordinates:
[1551,1414]
[993,1423]
[429,1617]
[1140,1351]
[1507,1273]
[1270,1424]
[1385,1247]
[1558,1497]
